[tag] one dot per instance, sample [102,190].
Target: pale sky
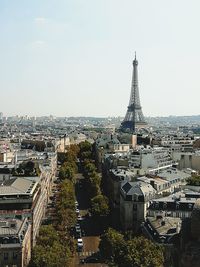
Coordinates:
[74,57]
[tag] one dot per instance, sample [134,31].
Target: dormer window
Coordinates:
[135,197]
[164,205]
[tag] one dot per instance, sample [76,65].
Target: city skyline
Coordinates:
[69,58]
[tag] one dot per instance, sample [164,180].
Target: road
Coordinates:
[90,234]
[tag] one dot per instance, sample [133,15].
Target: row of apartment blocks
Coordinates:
[148,182]
[23,202]
[148,191]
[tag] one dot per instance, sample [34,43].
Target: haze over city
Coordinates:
[74,58]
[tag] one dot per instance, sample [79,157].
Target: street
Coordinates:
[90,234]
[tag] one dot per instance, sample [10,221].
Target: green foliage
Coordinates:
[66,172]
[194,180]
[93,180]
[85,150]
[27,168]
[69,167]
[93,183]
[85,146]
[61,157]
[112,246]
[47,235]
[88,169]
[38,145]
[99,206]
[141,252]
[65,205]
[49,251]
[69,156]
[137,252]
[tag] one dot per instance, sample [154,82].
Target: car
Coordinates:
[78,235]
[77,210]
[79,244]
[79,218]
[77,228]
[90,260]
[54,191]
[76,203]
[51,205]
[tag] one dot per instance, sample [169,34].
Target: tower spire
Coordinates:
[134,116]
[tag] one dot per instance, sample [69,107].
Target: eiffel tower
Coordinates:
[134,117]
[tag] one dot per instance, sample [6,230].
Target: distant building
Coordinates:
[1,116]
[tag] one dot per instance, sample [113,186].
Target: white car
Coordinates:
[79,218]
[77,227]
[77,210]
[80,243]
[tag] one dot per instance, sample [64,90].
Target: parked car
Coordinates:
[79,218]
[78,228]
[80,244]
[90,260]
[77,210]
[77,231]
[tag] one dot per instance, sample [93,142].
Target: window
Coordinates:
[14,255]
[134,206]
[5,256]
[135,197]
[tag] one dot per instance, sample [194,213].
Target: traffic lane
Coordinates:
[91,243]
[92,265]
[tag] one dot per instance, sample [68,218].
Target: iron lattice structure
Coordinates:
[134,117]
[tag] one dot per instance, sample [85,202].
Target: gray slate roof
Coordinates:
[17,186]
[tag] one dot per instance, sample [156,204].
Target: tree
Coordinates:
[28,168]
[137,252]
[49,251]
[141,252]
[85,146]
[56,255]
[194,180]
[66,172]
[112,246]
[89,169]
[93,184]
[47,235]
[65,205]
[85,150]
[99,206]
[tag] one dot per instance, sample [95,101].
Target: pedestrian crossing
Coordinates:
[85,253]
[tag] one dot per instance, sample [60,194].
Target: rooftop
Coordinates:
[17,186]
[171,174]
[166,225]
[10,227]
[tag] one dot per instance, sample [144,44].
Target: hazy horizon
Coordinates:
[97,117]
[74,58]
